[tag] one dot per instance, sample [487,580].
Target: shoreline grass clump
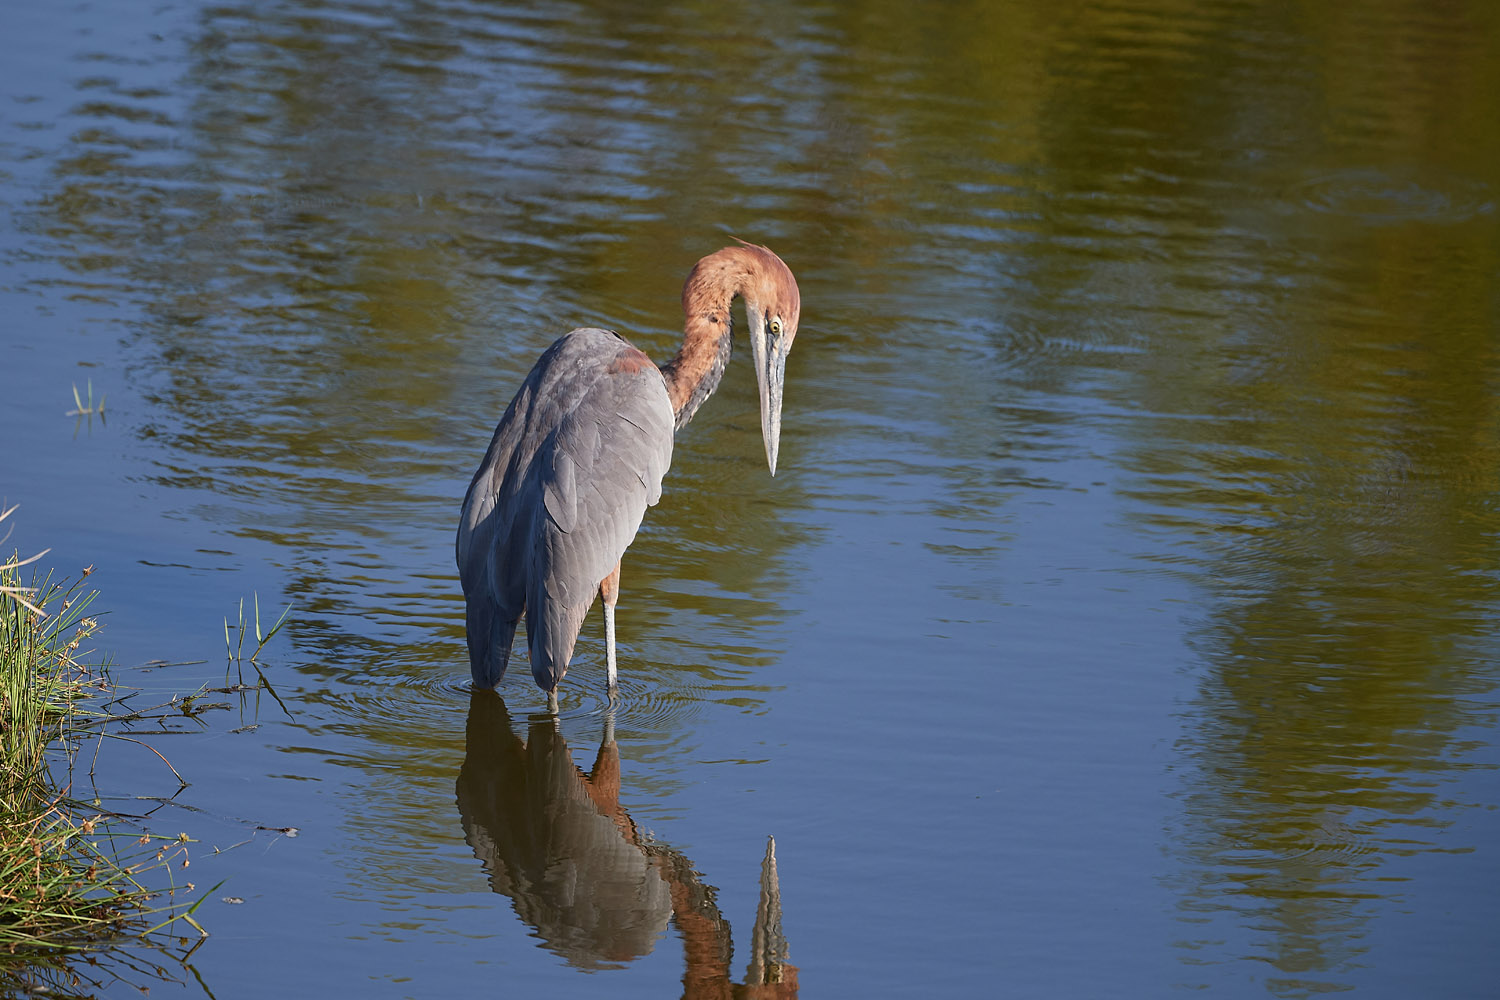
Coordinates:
[72,877]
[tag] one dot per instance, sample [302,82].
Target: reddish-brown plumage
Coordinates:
[765,284]
[630,361]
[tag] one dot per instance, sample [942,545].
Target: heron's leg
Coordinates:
[552,701]
[609,589]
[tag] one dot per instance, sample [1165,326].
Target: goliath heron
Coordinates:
[580,455]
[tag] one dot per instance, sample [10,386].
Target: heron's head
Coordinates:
[773,306]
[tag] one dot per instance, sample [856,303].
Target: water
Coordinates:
[1121,619]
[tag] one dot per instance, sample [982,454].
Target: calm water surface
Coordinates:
[1123,617]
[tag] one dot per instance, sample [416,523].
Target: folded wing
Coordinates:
[571,469]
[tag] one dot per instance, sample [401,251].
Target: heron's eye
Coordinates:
[776,327]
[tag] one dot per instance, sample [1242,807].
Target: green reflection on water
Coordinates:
[1234,262]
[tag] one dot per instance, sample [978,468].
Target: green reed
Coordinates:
[72,877]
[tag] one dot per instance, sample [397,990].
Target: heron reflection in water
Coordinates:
[557,842]
[580,453]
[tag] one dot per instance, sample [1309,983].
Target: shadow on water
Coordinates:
[596,891]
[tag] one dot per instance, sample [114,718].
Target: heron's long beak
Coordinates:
[770,374]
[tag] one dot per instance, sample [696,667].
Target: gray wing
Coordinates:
[573,465]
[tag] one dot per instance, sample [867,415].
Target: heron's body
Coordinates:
[580,454]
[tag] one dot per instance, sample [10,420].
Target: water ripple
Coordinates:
[1385,197]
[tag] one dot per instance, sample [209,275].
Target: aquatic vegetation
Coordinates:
[73,876]
[80,410]
[236,646]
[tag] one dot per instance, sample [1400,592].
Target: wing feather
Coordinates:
[575,462]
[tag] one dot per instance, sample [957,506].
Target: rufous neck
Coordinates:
[694,373]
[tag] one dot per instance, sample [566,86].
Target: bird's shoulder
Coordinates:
[589,367]
[591,345]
